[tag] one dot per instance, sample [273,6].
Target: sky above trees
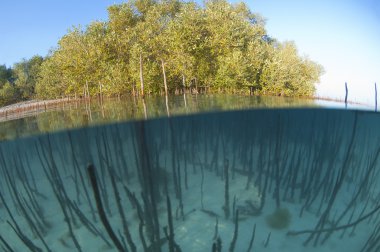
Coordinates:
[342,35]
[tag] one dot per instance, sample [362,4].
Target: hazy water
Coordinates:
[318,167]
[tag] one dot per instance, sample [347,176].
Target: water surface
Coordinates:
[85,113]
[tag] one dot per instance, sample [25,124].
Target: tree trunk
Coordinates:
[167,105]
[184,83]
[196,86]
[163,71]
[145,110]
[141,75]
[88,91]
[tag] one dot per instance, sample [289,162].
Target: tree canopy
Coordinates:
[156,46]
[18,83]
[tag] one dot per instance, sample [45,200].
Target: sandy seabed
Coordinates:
[192,160]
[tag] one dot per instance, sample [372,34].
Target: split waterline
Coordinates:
[289,179]
[31,119]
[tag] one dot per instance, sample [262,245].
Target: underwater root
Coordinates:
[99,205]
[293,233]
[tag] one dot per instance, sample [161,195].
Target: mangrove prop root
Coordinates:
[226,206]
[99,205]
[267,240]
[6,244]
[217,245]
[293,233]
[170,222]
[233,242]
[252,239]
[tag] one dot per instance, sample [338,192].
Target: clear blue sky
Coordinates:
[342,35]
[30,27]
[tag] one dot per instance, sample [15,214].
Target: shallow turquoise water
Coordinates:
[223,173]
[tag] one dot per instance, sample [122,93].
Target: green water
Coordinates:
[82,114]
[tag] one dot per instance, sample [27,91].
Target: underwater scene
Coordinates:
[248,180]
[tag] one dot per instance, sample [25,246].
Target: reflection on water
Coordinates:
[253,180]
[78,114]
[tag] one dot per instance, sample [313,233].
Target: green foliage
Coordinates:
[26,75]
[286,74]
[18,83]
[221,45]
[280,219]
[5,74]
[8,94]
[51,82]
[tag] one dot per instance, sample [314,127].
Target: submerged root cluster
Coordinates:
[220,173]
